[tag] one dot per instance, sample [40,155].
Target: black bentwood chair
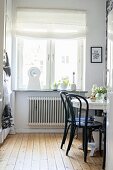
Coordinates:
[68,120]
[88,124]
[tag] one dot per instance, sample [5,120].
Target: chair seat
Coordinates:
[93,124]
[82,119]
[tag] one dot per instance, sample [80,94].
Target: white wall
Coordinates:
[9,29]
[95,29]
[8,39]
[1,42]
[1,51]
[22,110]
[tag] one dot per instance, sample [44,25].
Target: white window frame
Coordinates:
[50,63]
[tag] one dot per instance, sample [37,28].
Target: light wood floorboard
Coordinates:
[42,152]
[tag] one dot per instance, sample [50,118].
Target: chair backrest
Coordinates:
[64,101]
[80,100]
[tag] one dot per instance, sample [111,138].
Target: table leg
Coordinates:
[95,145]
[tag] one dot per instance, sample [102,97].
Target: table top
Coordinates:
[94,105]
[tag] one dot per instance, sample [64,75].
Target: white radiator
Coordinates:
[46,111]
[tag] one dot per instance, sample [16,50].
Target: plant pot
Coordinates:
[98,96]
[63,86]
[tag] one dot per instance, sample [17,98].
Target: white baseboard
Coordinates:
[12,130]
[39,130]
[3,134]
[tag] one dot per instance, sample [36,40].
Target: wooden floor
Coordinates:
[42,152]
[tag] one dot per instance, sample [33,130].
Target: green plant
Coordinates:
[102,90]
[55,84]
[64,81]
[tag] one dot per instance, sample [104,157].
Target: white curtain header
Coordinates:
[50,23]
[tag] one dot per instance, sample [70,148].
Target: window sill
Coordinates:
[48,90]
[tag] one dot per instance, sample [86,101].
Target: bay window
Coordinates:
[53,41]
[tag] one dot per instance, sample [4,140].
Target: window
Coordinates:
[56,46]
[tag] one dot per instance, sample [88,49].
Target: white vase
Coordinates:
[73,87]
[98,96]
[63,86]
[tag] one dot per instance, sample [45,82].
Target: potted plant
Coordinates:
[63,83]
[100,92]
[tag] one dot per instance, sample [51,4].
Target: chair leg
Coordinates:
[104,159]
[72,133]
[104,153]
[83,138]
[100,142]
[76,133]
[104,156]
[89,134]
[65,134]
[85,144]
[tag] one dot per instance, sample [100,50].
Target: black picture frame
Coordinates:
[96,54]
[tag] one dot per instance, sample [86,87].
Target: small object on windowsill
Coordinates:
[73,77]
[73,87]
[55,86]
[55,90]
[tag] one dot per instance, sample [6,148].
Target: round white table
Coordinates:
[93,105]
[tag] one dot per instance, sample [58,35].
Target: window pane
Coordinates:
[65,59]
[31,53]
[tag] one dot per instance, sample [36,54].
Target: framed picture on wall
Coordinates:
[96,54]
